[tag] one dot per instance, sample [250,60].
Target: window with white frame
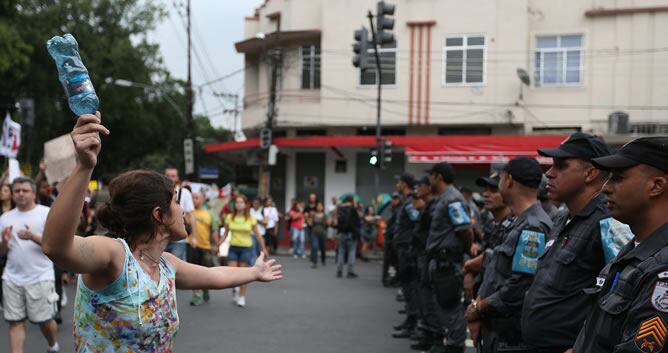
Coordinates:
[388,66]
[464,57]
[310,66]
[558,60]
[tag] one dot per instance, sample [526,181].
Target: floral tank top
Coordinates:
[132,314]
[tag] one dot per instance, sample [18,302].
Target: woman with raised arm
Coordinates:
[126,294]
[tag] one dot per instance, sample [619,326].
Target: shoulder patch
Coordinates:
[530,246]
[663,274]
[660,296]
[458,214]
[651,335]
[614,235]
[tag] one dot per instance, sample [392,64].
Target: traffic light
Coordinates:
[384,23]
[265,138]
[361,48]
[373,158]
[387,152]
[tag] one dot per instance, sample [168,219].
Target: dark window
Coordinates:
[340,166]
[465,131]
[384,131]
[311,132]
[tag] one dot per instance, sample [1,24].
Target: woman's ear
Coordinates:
[156,213]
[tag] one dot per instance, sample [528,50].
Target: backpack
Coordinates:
[347,220]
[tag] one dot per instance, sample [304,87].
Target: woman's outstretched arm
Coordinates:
[189,276]
[74,253]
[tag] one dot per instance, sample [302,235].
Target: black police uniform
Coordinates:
[507,277]
[494,233]
[406,258]
[555,305]
[446,254]
[389,252]
[427,305]
[631,312]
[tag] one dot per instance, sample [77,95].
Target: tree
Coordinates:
[146,131]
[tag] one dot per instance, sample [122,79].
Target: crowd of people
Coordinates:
[126,278]
[573,260]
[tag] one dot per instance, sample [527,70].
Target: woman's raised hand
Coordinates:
[86,138]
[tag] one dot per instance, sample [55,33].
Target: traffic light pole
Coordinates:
[275,59]
[379,84]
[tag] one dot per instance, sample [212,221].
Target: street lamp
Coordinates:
[126,83]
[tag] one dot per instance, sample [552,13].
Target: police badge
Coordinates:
[660,296]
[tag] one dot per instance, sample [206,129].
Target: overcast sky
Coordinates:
[217,25]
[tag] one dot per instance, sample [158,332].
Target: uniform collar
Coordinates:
[594,204]
[648,247]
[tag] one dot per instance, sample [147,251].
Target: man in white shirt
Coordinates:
[185,199]
[28,281]
[271,234]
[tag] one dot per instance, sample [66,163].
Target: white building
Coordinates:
[451,71]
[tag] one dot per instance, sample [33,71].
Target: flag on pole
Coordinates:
[10,142]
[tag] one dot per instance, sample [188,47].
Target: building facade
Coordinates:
[451,85]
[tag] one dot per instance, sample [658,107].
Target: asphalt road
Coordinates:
[309,311]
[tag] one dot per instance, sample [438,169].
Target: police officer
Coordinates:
[432,326]
[389,255]
[631,312]
[555,306]
[550,208]
[406,259]
[450,237]
[496,221]
[512,263]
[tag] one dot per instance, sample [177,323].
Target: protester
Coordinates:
[556,304]
[241,226]
[131,274]
[261,220]
[347,224]
[185,199]
[630,313]
[207,234]
[6,204]
[369,231]
[28,280]
[271,233]
[297,221]
[318,222]
[495,314]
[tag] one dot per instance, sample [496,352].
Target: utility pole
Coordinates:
[275,56]
[188,143]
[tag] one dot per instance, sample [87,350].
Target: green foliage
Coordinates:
[146,131]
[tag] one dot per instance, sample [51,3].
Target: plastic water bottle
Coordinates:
[73,74]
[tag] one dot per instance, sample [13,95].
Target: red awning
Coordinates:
[423,149]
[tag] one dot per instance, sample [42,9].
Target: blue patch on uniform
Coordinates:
[614,235]
[458,214]
[413,213]
[530,246]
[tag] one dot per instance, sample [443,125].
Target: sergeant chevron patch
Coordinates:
[651,335]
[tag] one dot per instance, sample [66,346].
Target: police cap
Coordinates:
[526,171]
[652,151]
[578,145]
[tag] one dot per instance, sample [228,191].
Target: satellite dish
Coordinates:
[524,76]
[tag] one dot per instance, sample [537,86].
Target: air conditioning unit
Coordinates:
[618,123]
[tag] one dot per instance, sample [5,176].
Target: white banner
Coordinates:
[14,170]
[11,138]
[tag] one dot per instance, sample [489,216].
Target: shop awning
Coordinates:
[422,149]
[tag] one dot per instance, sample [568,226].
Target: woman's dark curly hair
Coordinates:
[133,196]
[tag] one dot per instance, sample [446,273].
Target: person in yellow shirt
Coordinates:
[206,234]
[241,226]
